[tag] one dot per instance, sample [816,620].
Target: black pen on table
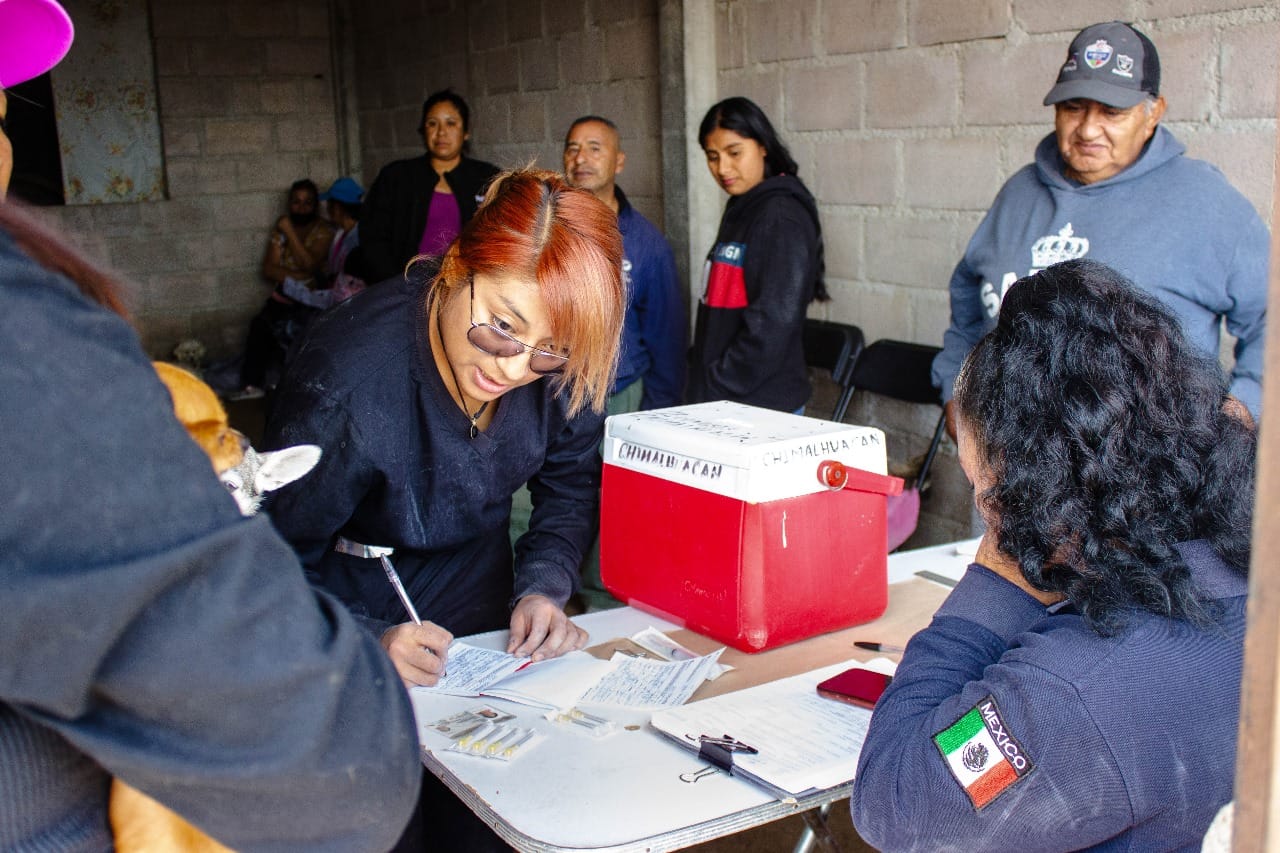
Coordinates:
[879,647]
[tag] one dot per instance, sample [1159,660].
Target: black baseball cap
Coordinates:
[1110,63]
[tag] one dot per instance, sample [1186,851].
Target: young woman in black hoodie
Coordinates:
[764,270]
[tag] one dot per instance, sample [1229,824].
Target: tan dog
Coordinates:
[140,824]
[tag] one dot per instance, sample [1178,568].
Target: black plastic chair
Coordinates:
[902,370]
[834,347]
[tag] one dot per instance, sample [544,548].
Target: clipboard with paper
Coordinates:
[796,742]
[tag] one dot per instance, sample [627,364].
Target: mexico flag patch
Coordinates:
[982,754]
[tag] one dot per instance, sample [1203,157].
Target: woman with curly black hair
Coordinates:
[1080,687]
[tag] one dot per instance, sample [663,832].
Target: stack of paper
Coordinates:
[551,684]
[804,743]
[560,683]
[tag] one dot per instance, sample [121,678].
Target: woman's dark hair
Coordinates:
[452,97]
[1106,435]
[308,185]
[743,117]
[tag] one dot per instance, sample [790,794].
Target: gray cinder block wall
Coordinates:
[247,106]
[527,69]
[905,115]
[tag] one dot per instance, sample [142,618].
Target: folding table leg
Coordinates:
[816,829]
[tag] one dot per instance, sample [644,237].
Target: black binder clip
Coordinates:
[719,751]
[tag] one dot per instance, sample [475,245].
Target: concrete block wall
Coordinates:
[906,116]
[527,68]
[246,108]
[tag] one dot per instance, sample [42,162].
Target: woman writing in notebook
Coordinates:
[434,399]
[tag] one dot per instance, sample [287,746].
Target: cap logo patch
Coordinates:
[982,754]
[1070,65]
[1097,54]
[1124,66]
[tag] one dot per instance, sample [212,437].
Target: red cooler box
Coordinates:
[713,516]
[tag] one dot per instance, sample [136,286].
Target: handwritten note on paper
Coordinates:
[470,669]
[804,741]
[644,683]
[657,643]
[551,683]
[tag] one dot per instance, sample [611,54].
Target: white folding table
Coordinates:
[624,792]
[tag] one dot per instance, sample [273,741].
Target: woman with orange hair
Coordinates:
[433,399]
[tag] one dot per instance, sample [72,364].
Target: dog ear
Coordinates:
[280,467]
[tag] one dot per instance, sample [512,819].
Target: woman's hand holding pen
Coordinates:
[540,629]
[418,651]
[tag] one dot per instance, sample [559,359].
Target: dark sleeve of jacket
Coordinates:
[310,517]
[158,631]
[968,324]
[469,180]
[395,210]
[779,269]
[905,798]
[664,324]
[394,215]
[566,502]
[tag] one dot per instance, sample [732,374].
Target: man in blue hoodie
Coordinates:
[651,368]
[654,335]
[1111,185]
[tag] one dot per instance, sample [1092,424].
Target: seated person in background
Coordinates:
[296,253]
[1080,687]
[345,200]
[434,397]
[1113,185]
[417,206]
[342,274]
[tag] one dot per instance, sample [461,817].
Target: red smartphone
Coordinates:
[856,686]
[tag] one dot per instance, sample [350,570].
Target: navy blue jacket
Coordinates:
[152,632]
[655,331]
[1123,743]
[400,470]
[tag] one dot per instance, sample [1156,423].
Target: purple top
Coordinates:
[444,221]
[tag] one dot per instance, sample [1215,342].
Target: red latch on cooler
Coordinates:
[836,476]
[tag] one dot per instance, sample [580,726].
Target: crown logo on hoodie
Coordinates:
[1055,248]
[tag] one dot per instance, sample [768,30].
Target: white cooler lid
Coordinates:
[739,451]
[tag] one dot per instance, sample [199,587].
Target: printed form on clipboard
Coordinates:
[802,742]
